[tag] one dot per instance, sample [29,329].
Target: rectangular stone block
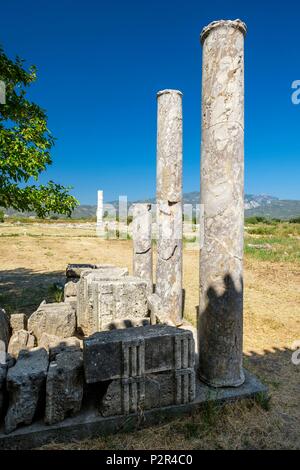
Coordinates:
[84,292]
[75,270]
[137,351]
[103,300]
[135,394]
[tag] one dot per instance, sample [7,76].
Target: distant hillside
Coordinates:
[261,205]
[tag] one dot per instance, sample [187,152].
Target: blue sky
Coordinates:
[100,64]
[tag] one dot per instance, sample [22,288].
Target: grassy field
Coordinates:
[33,258]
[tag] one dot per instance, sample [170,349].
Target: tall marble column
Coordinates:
[169,204]
[142,244]
[222,194]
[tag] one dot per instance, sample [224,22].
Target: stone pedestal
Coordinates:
[222,194]
[142,244]
[169,203]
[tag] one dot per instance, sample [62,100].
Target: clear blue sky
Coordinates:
[100,64]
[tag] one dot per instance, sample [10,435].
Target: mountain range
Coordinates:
[259,205]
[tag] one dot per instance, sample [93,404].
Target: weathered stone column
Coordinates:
[222,194]
[169,203]
[142,244]
[100,209]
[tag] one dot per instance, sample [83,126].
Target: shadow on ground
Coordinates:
[22,290]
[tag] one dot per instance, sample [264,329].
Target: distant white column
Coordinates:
[100,225]
[100,209]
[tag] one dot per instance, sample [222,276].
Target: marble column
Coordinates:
[169,204]
[100,208]
[142,243]
[222,195]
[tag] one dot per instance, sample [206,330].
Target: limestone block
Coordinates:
[74,270]
[135,394]
[57,319]
[84,291]
[135,352]
[70,288]
[55,345]
[4,328]
[25,383]
[64,387]
[22,339]
[103,301]
[18,321]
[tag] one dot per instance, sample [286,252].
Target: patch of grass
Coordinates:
[263,400]
[56,292]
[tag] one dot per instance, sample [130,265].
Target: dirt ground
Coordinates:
[34,258]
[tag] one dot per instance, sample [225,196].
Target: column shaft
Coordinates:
[142,243]
[222,194]
[169,203]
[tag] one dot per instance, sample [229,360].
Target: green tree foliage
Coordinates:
[25,145]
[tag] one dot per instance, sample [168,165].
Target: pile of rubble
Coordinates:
[52,361]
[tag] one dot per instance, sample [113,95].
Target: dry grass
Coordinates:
[33,261]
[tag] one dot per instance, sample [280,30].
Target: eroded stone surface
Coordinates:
[21,339]
[169,203]
[18,321]
[135,394]
[25,383]
[222,186]
[4,328]
[142,244]
[64,388]
[136,351]
[84,293]
[57,319]
[102,301]
[70,289]
[55,345]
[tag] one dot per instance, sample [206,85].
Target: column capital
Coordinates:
[163,92]
[237,24]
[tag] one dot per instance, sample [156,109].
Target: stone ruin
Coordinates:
[117,346]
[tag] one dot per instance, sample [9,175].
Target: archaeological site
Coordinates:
[117,352]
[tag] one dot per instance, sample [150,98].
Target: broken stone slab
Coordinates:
[75,270]
[70,288]
[137,351]
[21,339]
[102,301]
[57,319]
[135,394]
[4,328]
[25,383]
[55,345]
[18,321]
[64,387]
